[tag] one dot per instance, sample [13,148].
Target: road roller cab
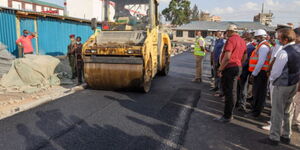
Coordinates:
[129,50]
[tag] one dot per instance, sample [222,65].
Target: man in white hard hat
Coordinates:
[259,64]
[233,55]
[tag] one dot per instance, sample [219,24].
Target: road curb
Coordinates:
[42,100]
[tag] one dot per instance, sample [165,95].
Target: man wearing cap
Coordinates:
[285,77]
[233,55]
[71,55]
[199,52]
[25,42]
[259,64]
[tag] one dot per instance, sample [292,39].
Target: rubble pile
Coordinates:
[64,71]
[6,59]
[178,49]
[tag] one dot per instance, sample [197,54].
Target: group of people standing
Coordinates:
[74,52]
[248,66]
[75,57]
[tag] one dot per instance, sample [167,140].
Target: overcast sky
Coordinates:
[242,10]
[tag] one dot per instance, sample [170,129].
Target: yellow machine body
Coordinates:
[126,59]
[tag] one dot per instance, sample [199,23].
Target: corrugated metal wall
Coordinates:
[54,34]
[8,34]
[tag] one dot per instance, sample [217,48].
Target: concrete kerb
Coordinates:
[40,101]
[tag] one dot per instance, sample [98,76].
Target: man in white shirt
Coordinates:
[285,77]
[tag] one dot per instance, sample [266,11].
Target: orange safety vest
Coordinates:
[254,58]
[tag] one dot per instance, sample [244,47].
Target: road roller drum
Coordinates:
[114,73]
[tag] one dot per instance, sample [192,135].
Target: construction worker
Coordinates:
[71,55]
[284,77]
[259,64]
[25,43]
[199,52]
[79,61]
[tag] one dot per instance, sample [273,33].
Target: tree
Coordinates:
[195,13]
[178,12]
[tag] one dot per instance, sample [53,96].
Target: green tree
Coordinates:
[178,12]
[195,13]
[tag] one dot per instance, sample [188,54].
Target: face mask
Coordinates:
[258,41]
[25,34]
[78,42]
[277,42]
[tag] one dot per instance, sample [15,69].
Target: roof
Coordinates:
[44,3]
[222,25]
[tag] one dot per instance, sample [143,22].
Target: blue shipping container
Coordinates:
[54,34]
[8,34]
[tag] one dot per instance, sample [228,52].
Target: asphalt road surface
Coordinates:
[176,114]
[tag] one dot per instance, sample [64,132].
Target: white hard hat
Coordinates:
[260,32]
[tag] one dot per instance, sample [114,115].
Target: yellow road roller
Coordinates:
[129,50]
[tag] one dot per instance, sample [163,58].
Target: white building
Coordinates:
[3,3]
[33,5]
[85,9]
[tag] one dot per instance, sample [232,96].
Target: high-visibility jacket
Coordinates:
[254,58]
[197,49]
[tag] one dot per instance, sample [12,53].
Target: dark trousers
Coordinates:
[260,84]
[217,81]
[242,87]
[79,67]
[229,84]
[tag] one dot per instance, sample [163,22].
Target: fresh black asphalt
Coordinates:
[175,114]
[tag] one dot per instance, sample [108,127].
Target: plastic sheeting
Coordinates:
[31,74]
[6,59]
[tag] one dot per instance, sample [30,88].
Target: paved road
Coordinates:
[176,114]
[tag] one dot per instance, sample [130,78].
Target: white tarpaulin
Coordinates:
[31,73]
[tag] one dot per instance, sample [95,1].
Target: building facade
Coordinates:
[186,33]
[264,18]
[205,16]
[91,9]
[3,3]
[33,5]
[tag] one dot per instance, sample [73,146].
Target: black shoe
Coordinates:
[269,142]
[214,89]
[242,109]
[251,115]
[223,119]
[285,140]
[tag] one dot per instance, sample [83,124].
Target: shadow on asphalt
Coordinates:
[183,122]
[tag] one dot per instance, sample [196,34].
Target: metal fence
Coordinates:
[53,33]
[8,33]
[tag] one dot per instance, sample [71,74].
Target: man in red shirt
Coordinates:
[25,42]
[233,56]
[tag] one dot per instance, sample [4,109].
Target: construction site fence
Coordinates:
[52,32]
